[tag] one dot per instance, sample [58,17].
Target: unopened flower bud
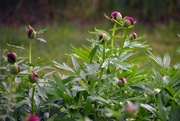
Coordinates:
[133,36]
[130,110]
[32,117]
[128,21]
[12,57]
[122,81]
[15,69]
[31,33]
[33,77]
[102,38]
[116,16]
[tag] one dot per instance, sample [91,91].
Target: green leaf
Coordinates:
[92,68]
[156,59]
[41,39]
[61,86]
[141,88]
[175,109]
[161,109]
[75,64]
[41,92]
[64,66]
[178,50]
[175,79]
[149,108]
[166,60]
[158,77]
[135,98]
[18,47]
[41,31]
[93,53]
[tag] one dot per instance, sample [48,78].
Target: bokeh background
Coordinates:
[68,23]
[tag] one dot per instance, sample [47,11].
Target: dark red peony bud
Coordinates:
[130,110]
[12,57]
[32,118]
[128,21]
[15,69]
[31,33]
[33,77]
[102,38]
[133,36]
[116,16]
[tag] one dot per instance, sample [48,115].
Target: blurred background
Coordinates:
[68,22]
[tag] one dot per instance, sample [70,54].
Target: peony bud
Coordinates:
[116,16]
[130,110]
[128,21]
[15,69]
[32,118]
[12,57]
[102,38]
[122,81]
[31,33]
[133,36]
[33,77]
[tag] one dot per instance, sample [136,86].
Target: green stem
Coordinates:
[104,57]
[125,36]
[113,33]
[30,58]
[32,99]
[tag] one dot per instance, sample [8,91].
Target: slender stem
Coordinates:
[104,52]
[104,57]
[113,33]
[30,58]
[32,99]
[125,36]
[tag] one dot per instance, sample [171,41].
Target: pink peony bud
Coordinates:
[102,38]
[116,16]
[33,77]
[32,118]
[130,110]
[133,36]
[12,57]
[15,69]
[128,21]
[122,81]
[31,33]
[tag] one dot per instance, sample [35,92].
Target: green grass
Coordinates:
[59,38]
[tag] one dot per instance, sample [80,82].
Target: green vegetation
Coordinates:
[59,38]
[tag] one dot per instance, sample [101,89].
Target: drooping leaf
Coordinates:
[18,47]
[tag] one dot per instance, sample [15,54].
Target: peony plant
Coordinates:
[107,81]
